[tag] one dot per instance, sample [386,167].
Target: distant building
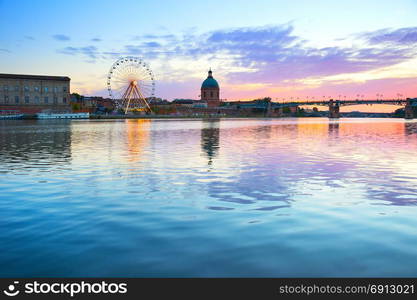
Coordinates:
[157,101]
[183,102]
[104,104]
[190,103]
[90,101]
[200,104]
[210,91]
[34,93]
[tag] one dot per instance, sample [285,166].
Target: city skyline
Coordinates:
[268,48]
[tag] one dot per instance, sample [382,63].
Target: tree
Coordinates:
[77,96]
[300,112]
[75,106]
[399,113]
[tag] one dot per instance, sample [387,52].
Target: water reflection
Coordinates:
[34,144]
[260,183]
[137,132]
[278,195]
[410,128]
[210,137]
[334,130]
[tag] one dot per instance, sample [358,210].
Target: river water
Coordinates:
[206,198]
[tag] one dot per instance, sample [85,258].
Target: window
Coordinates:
[64,89]
[64,100]
[211,94]
[16,88]
[16,99]
[55,90]
[6,99]
[36,89]
[204,94]
[6,88]
[45,100]
[26,89]
[45,89]
[217,94]
[26,99]
[37,99]
[55,100]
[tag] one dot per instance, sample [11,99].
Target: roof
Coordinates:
[34,77]
[183,101]
[210,82]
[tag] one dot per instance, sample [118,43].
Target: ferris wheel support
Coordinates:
[132,93]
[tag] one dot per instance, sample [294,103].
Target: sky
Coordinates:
[277,49]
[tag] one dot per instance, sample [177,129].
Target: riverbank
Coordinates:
[172,117]
[347,115]
[193,117]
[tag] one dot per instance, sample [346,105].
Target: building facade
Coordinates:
[34,93]
[210,91]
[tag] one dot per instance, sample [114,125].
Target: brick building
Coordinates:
[34,93]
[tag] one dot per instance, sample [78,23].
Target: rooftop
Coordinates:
[34,77]
[210,82]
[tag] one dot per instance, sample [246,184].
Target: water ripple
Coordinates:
[244,197]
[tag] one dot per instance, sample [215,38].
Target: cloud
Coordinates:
[61,37]
[403,36]
[28,37]
[275,54]
[152,44]
[96,40]
[270,56]
[88,51]
[112,54]
[5,50]
[153,37]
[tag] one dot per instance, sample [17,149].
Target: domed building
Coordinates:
[210,91]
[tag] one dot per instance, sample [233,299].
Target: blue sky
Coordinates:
[256,48]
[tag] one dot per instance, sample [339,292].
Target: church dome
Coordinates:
[210,82]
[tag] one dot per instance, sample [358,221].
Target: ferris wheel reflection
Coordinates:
[137,136]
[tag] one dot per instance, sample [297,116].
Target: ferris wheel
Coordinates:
[131,84]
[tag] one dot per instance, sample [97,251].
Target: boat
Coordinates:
[11,116]
[84,115]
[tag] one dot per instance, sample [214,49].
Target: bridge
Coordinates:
[333,105]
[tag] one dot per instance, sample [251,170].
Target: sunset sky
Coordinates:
[257,48]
